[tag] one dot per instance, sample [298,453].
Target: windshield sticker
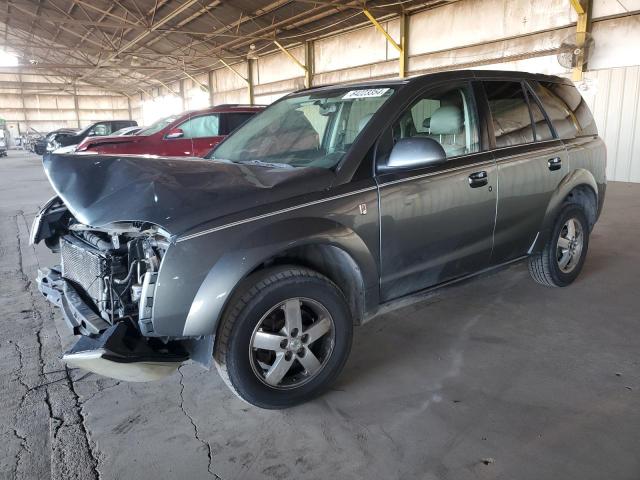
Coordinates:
[367,93]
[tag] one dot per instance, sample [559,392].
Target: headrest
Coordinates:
[363,122]
[447,120]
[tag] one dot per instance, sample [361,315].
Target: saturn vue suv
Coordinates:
[330,204]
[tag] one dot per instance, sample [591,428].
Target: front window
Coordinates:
[201,127]
[312,130]
[159,125]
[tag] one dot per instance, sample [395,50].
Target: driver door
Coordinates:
[436,222]
[199,135]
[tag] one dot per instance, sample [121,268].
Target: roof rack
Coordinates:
[237,105]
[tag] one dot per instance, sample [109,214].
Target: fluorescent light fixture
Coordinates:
[8,60]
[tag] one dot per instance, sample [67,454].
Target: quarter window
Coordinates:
[510,113]
[448,117]
[561,116]
[202,126]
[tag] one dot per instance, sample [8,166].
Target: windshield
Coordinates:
[159,125]
[313,130]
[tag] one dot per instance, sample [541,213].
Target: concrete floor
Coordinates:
[495,378]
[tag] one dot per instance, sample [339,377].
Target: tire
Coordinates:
[546,267]
[265,307]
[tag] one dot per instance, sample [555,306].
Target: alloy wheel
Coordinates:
[570,244]
[292,343]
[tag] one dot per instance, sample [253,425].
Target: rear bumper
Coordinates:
[118,351]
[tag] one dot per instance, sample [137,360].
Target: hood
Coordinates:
[175,193]
[90,142]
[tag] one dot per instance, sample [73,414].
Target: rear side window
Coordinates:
[510,113]
[234,120]
[573,102]
[540,124]
[561,116]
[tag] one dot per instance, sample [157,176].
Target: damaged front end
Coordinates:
[105,285]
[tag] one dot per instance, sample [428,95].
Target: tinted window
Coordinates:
[511,119]
[540,123]
[562,118]
[200,127]
[577,116]
[234,120]
[101,129]
[448,117]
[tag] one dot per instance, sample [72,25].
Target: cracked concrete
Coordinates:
[543,383]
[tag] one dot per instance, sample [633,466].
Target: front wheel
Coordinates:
[562,258]
[284,338]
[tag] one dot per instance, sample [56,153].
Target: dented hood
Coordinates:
[174,193]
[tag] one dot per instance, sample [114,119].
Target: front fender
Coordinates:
[575,178]
[246,249]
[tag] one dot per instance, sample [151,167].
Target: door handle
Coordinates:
[478,179]
[555,163]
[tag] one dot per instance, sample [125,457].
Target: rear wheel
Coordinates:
[284,338]
[562,258]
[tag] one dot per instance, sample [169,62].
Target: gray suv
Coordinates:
[333,202]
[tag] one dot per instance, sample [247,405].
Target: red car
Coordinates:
[189,134]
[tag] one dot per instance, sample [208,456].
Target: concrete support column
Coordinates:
[129,107]
[181,85]
[250,64]
[309,64]
[24,108]
[76,105]
[210,85]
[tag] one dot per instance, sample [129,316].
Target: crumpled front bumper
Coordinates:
[118,351]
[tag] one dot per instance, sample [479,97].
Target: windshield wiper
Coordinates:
[265,164]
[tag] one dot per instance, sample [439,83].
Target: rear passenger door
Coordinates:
[531,162]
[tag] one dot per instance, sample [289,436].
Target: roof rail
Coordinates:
[237,105]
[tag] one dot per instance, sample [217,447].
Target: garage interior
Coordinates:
[494,378]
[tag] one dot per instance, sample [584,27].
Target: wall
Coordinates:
[33,102]
[501,34]
[498,34]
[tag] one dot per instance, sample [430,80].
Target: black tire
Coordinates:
[257,295]
[544,266]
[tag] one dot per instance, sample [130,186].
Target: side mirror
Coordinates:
[174,133]
[414,152]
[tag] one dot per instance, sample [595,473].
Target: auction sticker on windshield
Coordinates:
[367,93]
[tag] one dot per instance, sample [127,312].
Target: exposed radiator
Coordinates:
[84,266]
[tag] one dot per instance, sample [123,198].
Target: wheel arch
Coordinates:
[328,247]
[578,186]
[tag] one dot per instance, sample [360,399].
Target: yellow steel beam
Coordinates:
[577,6]
[289,54]
[373,20]
[582,8]
[238,74]
[402,67]
[202,86]
[401,47]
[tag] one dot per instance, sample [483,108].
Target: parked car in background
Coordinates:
[123,132]
[97,129]
[40,144]
[126,131]
[189,134]
[328,206]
